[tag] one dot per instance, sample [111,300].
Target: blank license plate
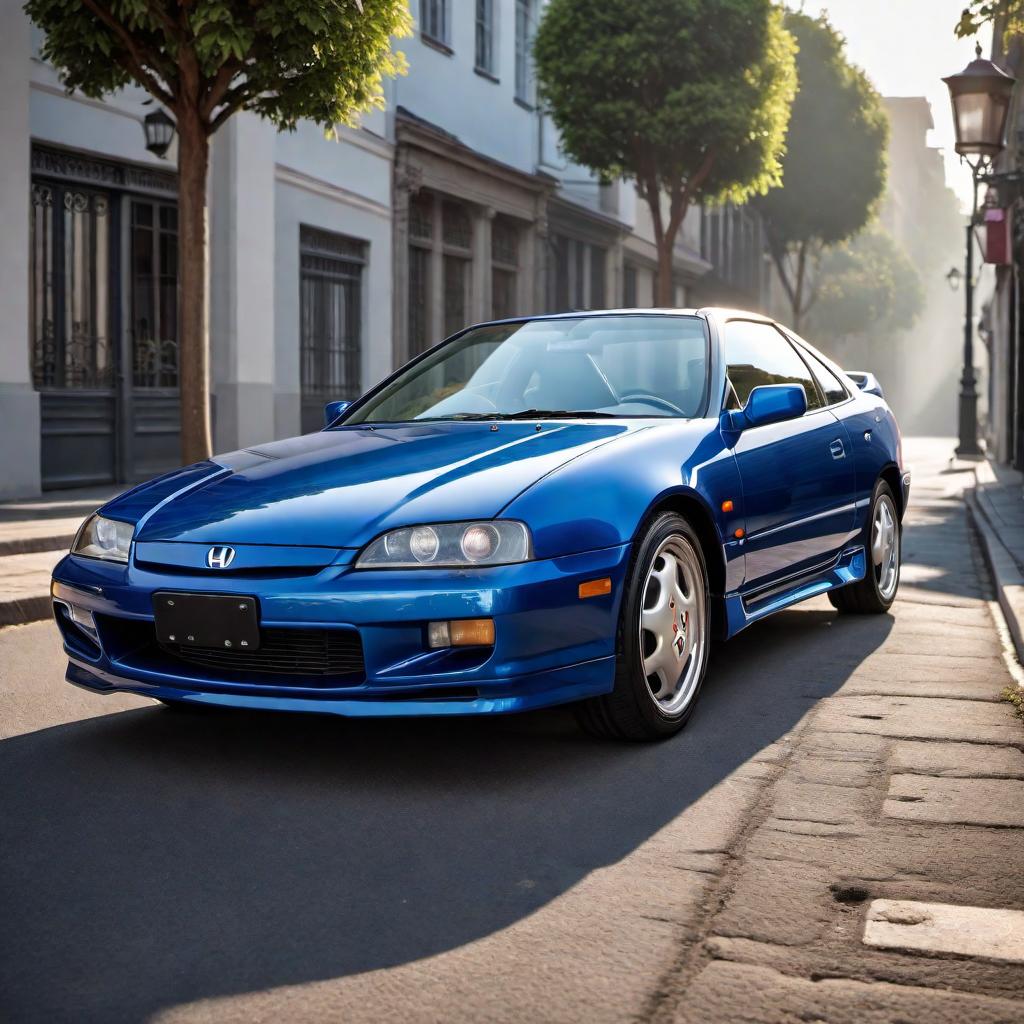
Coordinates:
[225,621]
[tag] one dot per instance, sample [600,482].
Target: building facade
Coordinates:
[331,261]
[1001,332]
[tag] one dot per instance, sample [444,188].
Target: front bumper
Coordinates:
[550,647]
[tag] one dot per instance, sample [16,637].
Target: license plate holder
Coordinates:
[221,621]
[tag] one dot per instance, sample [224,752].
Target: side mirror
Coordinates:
[770,403]
[867,382]
[332,410]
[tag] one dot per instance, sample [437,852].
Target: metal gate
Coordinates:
[103,321]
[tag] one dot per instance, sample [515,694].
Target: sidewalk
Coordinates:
[35,533]
[997,511]
[880,878]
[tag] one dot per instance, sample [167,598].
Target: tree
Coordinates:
[688,98]
[286,60]
[866,284]
[834,169]
[1010,13]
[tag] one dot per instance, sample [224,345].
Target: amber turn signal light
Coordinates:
[738,533]
[727,506]
[595,588]
[461,633]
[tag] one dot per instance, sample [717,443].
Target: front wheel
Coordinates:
[663,639]
[875,594]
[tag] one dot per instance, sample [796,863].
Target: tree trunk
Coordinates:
[798,287]
[664,286]
[792,288]
[664,241]
[193,343]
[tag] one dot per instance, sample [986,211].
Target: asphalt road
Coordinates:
[162,866]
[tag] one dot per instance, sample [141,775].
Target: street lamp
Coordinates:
[159,129]
[980,95]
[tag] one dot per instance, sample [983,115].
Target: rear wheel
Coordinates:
[875,594]
[663,638]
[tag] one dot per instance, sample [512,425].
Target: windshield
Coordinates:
[621,366]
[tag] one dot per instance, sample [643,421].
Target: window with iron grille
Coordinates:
[457,240]
[154,294]
[330,312]
[504,267]
[70,291]
[485,36]
[524,39]
[576,274]
[421,240]
[435,20]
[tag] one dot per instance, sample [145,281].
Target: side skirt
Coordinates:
[848,567]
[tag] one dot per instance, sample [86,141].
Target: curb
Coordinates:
[1006,576]
[32,545]
[24,610]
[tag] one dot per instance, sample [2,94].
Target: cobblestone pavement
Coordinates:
[165,867]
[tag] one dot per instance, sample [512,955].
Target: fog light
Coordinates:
[461,633]
[437,635]
[83,617]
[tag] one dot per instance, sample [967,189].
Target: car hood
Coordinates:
[341,488]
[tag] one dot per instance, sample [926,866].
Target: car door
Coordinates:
[798,477]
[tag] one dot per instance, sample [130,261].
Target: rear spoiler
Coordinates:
[865,381]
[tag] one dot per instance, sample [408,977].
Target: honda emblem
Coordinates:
[220,557]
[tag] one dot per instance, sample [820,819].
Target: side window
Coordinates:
[757,354]
[831,386]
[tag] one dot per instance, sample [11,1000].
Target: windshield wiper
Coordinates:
[524,414]
[556,414]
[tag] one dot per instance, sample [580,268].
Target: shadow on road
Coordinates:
[150,859]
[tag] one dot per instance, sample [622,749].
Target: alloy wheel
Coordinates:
[673,644]
[885,546]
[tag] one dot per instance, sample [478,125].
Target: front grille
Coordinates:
[285,652]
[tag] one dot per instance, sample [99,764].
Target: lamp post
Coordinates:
[980,95]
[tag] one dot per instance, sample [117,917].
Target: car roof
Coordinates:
[707,312]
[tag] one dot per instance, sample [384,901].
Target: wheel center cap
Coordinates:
[680,621]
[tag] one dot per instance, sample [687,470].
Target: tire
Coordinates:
[668,574]
[875,594]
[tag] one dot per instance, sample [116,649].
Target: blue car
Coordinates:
[538,511]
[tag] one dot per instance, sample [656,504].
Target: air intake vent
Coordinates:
[285,652]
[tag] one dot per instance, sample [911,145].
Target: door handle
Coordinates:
[837,449]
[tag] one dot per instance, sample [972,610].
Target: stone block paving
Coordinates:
[906,784]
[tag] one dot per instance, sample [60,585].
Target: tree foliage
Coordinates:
[978,13]
[866,284]
[689,98]
[285,60]
[834,168]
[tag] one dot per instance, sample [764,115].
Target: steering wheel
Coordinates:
[643,396]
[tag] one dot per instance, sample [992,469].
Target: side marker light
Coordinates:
[595,588]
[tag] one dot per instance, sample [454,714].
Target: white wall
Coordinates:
[19,402]
[445,89]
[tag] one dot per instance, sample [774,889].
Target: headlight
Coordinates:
[104,538]
[448,545]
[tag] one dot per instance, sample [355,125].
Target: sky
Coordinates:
[907,47]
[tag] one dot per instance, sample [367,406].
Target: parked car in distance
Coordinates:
[553,509]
